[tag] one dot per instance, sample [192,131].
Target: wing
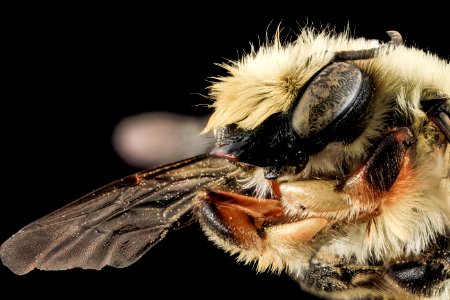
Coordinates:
[116,224]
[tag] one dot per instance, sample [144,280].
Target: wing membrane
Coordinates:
[116,224]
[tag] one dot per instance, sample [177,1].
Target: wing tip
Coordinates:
[12,261]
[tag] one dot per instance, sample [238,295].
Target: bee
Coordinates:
[331,163]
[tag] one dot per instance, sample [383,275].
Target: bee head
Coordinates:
[280,114]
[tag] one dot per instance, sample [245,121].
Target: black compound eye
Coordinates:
[334,99]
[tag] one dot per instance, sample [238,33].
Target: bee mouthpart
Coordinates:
[222,153]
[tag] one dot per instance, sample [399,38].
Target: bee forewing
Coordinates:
[116,224]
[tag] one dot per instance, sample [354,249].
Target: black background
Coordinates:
[72,75]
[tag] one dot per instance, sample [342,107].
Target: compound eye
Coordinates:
[336,94]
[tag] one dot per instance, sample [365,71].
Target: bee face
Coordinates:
[331,163]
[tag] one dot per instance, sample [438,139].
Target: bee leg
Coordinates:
[438,111]
[254,224]
[422,275]
[388,164]
[239,219]
[341,279]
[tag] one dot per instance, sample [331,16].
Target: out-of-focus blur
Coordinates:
[156,138]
